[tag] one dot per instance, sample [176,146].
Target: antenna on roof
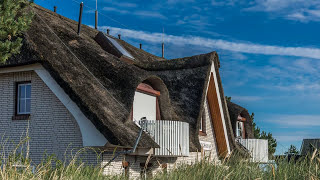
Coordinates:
[162,43]
[55,9]
[80,18]
[96,12]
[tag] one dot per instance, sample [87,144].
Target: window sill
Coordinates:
[202,133]
[21,117]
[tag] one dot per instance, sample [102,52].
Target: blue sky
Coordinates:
[268,49]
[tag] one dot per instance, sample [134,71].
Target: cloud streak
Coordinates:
[297,10]
[221,44]
[296,120]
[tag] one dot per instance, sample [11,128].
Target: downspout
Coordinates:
[143,123]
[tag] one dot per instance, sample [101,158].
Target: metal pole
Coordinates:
[140,46]
[55,9]
[163,50]
[80,18]
[96,22]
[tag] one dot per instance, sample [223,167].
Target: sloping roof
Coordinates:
[103,86]
[99,83]
[309,145]
[234,111]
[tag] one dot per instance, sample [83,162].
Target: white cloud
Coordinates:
[297,10]
[295,120]
[149,14]
[124,4]
[111,9]
[223,2]
[247,98]
[214,44]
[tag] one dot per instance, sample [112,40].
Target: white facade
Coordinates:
[51,127]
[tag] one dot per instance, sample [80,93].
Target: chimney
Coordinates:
[80,18]
[108,31]
[140,46]
[55,9]
[162,50]
[96,22]
[119,36]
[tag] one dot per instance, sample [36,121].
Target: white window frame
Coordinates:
[201,125]
[239,129]
[25,99]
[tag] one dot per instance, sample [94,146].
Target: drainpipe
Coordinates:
[143,124]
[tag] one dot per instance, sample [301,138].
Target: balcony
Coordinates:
[171,136]
[257,148]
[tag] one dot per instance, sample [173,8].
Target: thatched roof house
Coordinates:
[240,114]
[102,80]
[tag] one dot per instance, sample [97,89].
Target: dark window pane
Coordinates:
[22,106]
[28,92]
[21,91]
[28,105]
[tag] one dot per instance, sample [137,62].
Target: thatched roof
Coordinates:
[98,82]
[234,111]
[103,86]
[308,146]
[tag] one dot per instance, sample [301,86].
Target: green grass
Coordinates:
[232,168]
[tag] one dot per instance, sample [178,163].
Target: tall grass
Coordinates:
[18,166]
[237,168]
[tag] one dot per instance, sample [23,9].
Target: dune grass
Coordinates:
[18,166]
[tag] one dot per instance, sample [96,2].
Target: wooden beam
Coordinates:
[216,118]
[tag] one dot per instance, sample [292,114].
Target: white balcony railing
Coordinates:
[258,149]
[171,136]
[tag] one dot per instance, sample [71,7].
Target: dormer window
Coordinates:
[145,104]
[240,127]
[113,46]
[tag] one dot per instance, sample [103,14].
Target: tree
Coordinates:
[292,150]
[272,142]
[255,128]
[14,20]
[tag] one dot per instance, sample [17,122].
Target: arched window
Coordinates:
[145,104]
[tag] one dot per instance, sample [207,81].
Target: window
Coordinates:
[145,104]
[202,128]
[201,124]
[23,98]
[239,129]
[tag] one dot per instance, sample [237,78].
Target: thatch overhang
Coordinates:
[234,111]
